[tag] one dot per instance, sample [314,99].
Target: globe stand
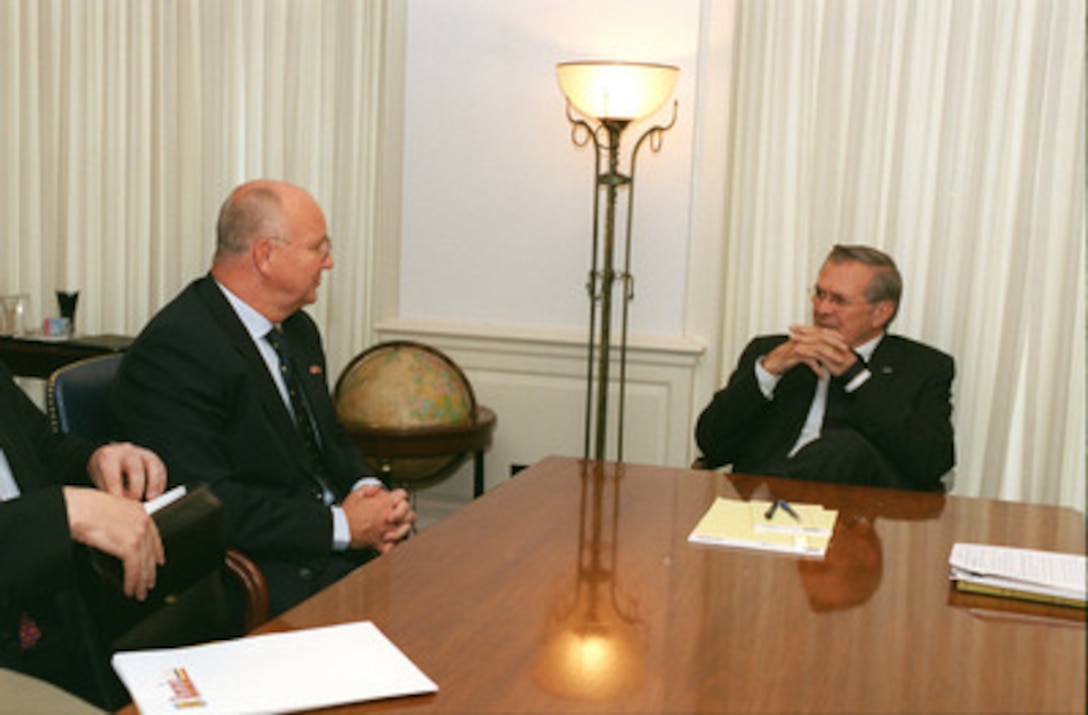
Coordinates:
[387,447]
[413,414]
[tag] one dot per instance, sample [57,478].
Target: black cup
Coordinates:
[66,301]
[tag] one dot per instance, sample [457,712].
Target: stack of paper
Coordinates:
[803,529]
[275,673]
[1030,574]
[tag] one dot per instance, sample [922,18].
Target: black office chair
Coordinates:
[189,604]
[76,400]
[76,397]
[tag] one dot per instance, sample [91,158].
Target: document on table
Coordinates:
[273,673]
[744,524]
[1020,573]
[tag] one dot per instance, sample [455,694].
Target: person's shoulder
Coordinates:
[767,342]
[917,350]
[759,346]
[181,318]
[184,301]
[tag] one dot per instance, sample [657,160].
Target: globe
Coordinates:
[399,389]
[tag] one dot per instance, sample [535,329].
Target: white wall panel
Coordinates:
[496,196]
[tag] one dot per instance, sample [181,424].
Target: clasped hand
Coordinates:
[824,351]
[379,518]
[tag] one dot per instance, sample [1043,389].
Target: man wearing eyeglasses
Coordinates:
[840,400]
[228,384]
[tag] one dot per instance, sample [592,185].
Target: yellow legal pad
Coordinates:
[743,524]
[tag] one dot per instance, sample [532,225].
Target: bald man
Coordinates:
[227,383]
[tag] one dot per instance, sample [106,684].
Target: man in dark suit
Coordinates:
[56,492]
[206,386]
[839,400]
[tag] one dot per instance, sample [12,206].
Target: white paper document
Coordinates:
[1005,568]
[274,673]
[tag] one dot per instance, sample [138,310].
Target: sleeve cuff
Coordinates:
[364,481]
[857,375]
[341,531]
[767,381]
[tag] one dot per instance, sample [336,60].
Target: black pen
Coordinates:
[789,509]
[769,514]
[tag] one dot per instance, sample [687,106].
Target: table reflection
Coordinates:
[850,572]
[594,641]
[853,567]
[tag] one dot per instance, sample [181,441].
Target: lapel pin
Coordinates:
[315,369]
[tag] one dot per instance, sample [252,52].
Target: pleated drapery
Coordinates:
[125,125]
[951,134]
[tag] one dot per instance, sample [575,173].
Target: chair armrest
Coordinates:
[248,574]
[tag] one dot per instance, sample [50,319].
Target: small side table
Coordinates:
[35,356]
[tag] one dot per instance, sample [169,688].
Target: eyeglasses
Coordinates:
[837,300]
[321,249]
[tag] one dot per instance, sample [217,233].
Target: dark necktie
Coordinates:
[299,405]
[835,407]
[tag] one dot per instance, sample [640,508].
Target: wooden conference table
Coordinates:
[572,588]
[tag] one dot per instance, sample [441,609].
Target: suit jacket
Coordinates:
[34,538]
[194,388]
[904,411]
[38,559]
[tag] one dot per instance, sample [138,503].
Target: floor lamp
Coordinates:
[610,96]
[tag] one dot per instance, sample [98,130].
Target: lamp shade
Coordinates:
[616,90]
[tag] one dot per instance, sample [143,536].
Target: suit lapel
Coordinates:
[271,402]
[886,358]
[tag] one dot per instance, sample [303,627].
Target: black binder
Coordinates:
[188,604]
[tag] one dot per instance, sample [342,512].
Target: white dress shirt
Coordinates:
[258,326]
[9,489]
[810,431]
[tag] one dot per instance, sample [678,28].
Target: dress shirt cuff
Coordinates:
[365,481]
[858,381]
[857,375]
[341,531]
[767,381]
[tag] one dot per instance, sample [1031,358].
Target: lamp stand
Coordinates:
[603,275]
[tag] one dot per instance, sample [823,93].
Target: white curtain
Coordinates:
[124,124]
[951,134]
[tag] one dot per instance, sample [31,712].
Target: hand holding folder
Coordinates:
[187,603]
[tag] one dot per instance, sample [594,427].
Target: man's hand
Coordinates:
[378,518]
[126,470]
[119,527]
[822,349]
